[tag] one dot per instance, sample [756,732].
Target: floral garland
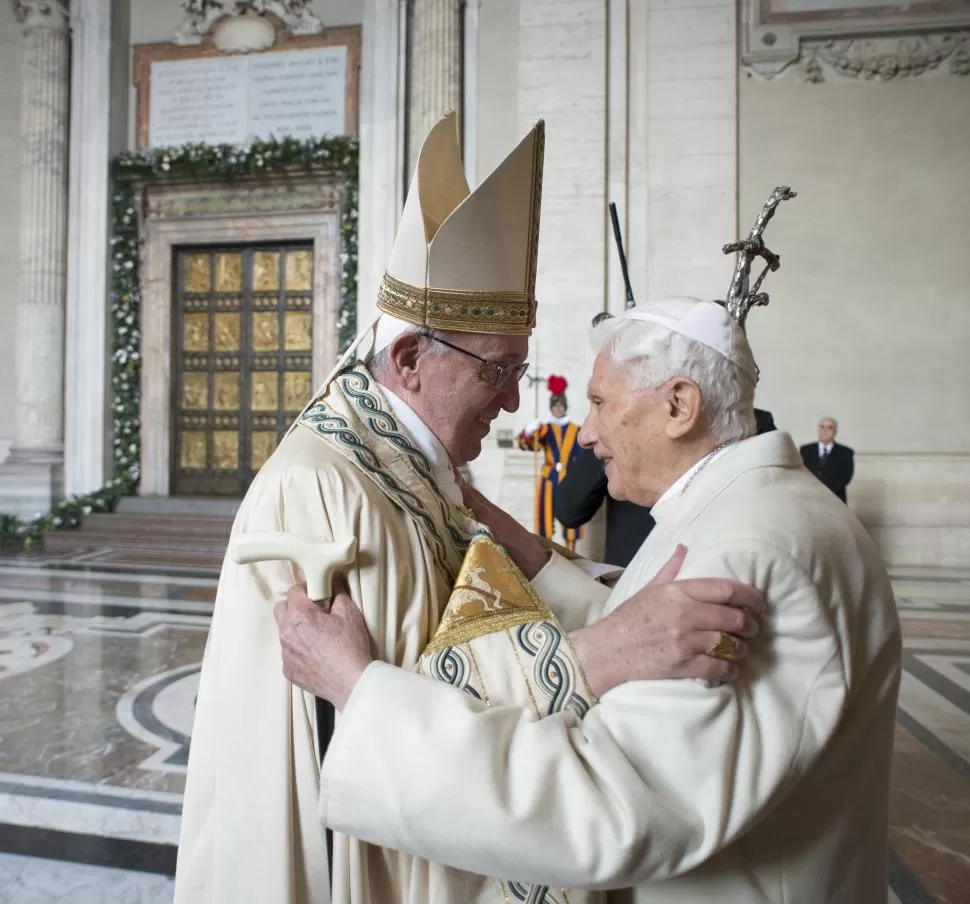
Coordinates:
[187,162]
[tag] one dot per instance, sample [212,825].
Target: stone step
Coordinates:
[161,525]
[168,534]
[144,538]
[214,506]
[69,540]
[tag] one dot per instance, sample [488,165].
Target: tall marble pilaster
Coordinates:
[469,99]
[435,83]
[32,478]
[383,143]
[86,422]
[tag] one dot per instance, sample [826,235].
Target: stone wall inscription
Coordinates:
[305,87]
[233,100]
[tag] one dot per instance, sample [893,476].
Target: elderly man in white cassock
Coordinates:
[773,788]
[373,458]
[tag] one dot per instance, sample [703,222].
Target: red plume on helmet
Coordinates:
[557,390]
[556,384]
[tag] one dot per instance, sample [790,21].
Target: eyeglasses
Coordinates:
[491,373]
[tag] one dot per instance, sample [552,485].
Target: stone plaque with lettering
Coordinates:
[217,100]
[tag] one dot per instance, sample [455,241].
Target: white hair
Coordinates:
[650,355]
[379,363]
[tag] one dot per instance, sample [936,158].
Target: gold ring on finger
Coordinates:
[724,648]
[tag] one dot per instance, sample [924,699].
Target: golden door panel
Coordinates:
[296,390]
[195,391]
[225,450]
[193,450]
[265,395]
[266,271]
[229,272]
[195,333]
[196,272]
[225,391]
[297,331]
[299,271]
[227,332]
[243,341]
[265,331]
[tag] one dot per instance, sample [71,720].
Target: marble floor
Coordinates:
[99,661]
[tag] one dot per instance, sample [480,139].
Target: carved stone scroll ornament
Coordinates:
[42,13]
[888,39]
[202,15]
[885,59]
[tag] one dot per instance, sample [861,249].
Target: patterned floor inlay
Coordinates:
[99,661]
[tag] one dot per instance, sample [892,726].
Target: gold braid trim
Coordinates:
[508,313]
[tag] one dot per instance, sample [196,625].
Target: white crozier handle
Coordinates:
[318,561]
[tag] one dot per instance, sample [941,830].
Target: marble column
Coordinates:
[32,478]
[435,83]
[469,100]
[383,104]
[86,424]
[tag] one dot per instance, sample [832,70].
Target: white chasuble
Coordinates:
[250,830]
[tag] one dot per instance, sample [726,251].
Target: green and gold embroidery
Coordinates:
[359,432]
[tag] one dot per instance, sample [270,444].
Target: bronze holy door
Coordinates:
[241,360]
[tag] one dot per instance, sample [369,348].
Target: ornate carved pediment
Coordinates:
[202,15]
[42,13]
[856,38]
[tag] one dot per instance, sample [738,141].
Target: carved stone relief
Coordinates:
[851,39]
[41,13]
[885,59]
[202,15]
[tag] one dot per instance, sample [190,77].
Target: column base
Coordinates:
[31,482]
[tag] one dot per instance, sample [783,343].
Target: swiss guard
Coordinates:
[558,439]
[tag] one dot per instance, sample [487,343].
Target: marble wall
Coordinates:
[498,83]
[683,146]
[520,81]
[10,204]
[869,313]
[639,103]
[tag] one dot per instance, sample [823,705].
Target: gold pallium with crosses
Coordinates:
[243,350]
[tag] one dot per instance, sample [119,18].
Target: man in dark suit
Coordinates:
[829,461]
[580,496]
[627,524]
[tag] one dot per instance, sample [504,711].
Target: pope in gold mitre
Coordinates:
[373,457]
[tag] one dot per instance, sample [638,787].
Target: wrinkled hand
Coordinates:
[326,646]
[523,546]
[666,629]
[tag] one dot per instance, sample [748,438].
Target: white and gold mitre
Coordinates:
[466,260]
